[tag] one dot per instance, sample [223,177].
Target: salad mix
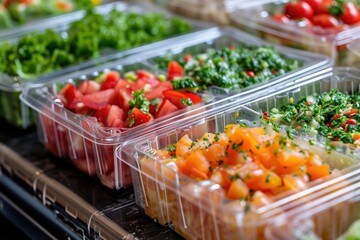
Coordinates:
[333,115]
[43,52]
[232,67]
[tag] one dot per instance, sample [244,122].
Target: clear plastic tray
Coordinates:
[255,17]
[209,10]
[198,209]
[91,148]
[11,86]
[332,212]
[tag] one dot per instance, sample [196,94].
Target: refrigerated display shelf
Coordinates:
[57,197]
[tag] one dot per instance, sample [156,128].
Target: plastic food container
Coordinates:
[19,13]
[199,209]
[346,80]
[256,19]
[91,148]
[11,86]
[209,10]
[332,212]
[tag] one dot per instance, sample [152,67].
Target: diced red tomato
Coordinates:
[100,99]
[123,98]
[337,116]
[137,117]
[250,73]
[177,98]
[351,121]
[154,105]
[193,97]
[165,108]
[158,91]
[69,93]
[145,74]
[174,70]
[138,85]
[101,115]
[110,80]
[88,87]
[115,117]
[187,57]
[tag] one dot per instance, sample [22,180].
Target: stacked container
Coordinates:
[256,18]
[91,147]
[11,86]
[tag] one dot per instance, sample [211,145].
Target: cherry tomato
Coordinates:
[281,18]
[351,14]
[323,8]
[325,21]
[314,4]
[299,10]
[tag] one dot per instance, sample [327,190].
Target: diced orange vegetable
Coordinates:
[216,154]
[259,199]
[196,160]
[237,190]
[356,136]
[289,158]
[318,171]
[269,181]
[293,182]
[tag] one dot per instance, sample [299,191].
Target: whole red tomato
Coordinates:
[325,21]
[314,4]
[299,10]
[350,14]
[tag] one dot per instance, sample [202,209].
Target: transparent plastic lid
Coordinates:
[60,24]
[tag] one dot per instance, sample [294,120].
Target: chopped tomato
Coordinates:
[179,99]
[174,70]
[110,80]
[101,114]
[145,74]
[195,99]
[100,99]
[165,108]
[114,117]
[157,92]
[88,87]
[69,93]
[137,117]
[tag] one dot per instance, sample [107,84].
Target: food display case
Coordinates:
[204,132]
[263,19]
[63,46]
[89,142]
